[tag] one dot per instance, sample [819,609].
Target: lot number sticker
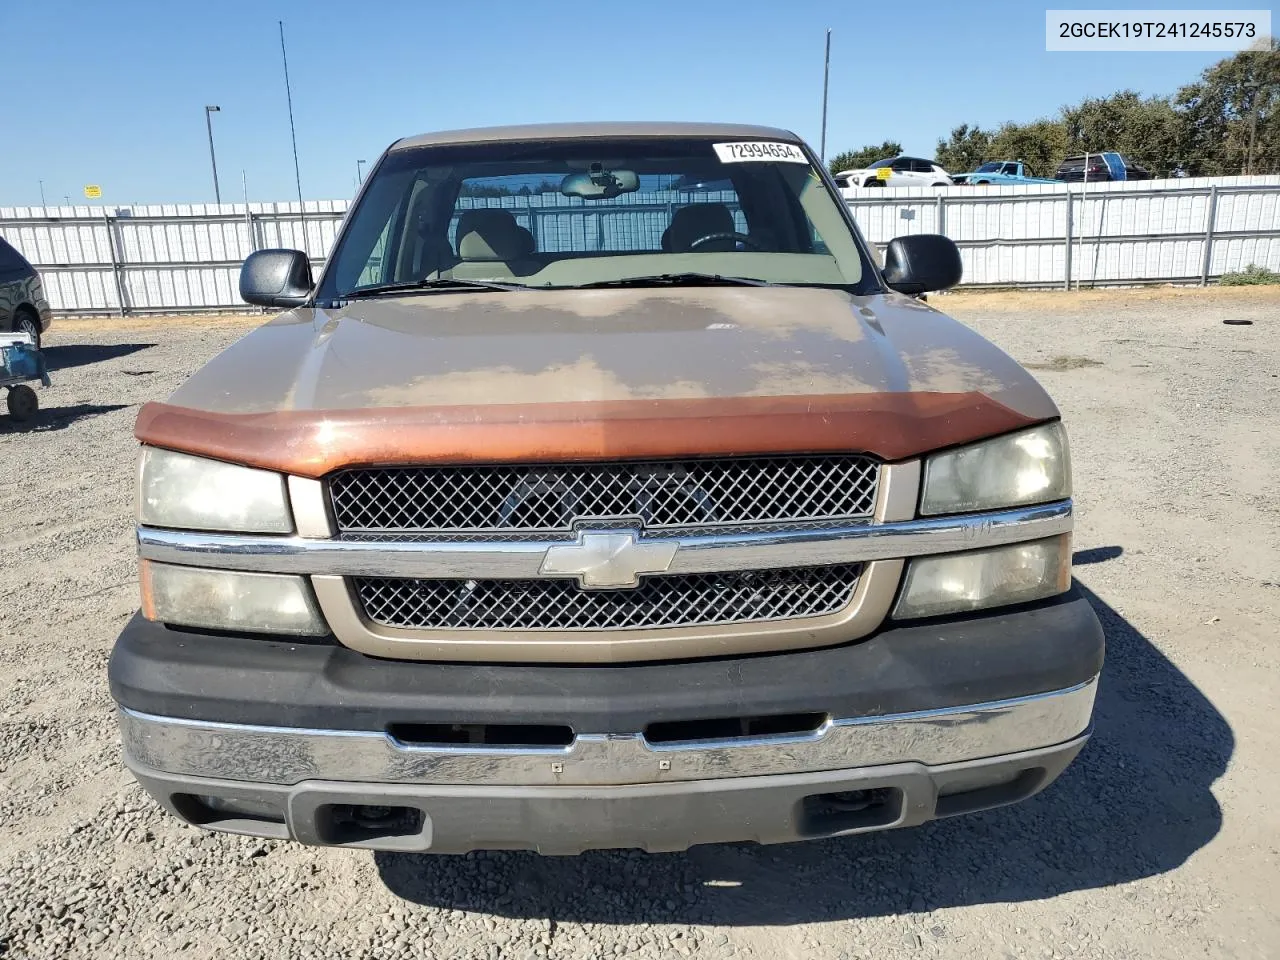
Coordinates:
[884,173]
[760,150]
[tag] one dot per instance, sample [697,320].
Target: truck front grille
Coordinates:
[658,496]
[684,600]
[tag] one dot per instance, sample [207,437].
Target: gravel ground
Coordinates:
[1162,840]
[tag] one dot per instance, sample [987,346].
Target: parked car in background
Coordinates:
[23,307]
[895,172]
[1000,171]
[1100,167]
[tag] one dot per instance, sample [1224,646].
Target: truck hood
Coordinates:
[576,374]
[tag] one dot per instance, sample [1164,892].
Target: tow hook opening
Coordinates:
[829,814]
[348,823]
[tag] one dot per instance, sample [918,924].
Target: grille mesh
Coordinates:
[670,495]
[660,601]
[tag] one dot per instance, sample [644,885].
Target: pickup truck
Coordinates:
[1000,171]
[565,509]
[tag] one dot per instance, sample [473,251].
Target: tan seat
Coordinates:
[698,220]
[492,234]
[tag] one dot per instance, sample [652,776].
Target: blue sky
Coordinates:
[113,93]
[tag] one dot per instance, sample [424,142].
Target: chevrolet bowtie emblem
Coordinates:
[608,560]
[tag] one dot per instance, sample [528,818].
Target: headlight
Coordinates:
[956,582]
[192,493]
[229,600]
[1031,466]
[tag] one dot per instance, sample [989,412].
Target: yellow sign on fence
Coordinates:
[92,191]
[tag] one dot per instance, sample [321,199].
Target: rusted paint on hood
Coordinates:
[601,373]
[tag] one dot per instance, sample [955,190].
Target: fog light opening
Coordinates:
[232,814]
[978,792]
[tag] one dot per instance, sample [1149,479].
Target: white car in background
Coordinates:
[895,172]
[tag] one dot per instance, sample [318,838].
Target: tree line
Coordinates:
[1227,122]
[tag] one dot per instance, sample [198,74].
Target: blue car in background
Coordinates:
[1000,171]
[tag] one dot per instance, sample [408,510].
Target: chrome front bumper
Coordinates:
[366,790]
[286,755]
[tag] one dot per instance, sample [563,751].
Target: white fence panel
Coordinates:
[1106,233]
[177,257]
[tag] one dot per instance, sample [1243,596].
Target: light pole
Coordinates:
[1256,87]
[213,160]
[42,203]
[826,77]
[360,172]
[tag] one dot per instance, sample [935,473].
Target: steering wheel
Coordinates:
[726,235]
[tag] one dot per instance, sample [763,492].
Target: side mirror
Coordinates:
[276,278]
[922,262]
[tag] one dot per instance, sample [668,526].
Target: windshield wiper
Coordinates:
[435,283]
[676,280]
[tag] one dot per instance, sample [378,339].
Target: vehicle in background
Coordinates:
[23,308]
[1101,167]
[895,172]
[1000,171]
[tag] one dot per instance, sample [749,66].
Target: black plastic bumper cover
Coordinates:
[903,668]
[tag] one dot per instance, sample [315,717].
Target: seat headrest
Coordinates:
[697,220]
[492,235]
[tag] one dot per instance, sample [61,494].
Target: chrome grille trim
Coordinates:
[549,500]
[658,602]
[523,559]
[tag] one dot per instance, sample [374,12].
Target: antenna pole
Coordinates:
[297,175]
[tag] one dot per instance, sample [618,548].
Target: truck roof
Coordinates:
[575,131]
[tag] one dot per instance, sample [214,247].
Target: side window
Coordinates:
[921,166]
[10,260]
[902,164]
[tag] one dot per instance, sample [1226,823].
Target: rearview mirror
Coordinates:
[600,184]
[922,262]
[276,278]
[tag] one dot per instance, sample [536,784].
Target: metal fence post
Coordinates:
[115,260]
[1066,279]
[941,217]
[1208,234]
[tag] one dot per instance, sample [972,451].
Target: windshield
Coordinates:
[579,212]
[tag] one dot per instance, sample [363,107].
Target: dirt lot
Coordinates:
[1162,840]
